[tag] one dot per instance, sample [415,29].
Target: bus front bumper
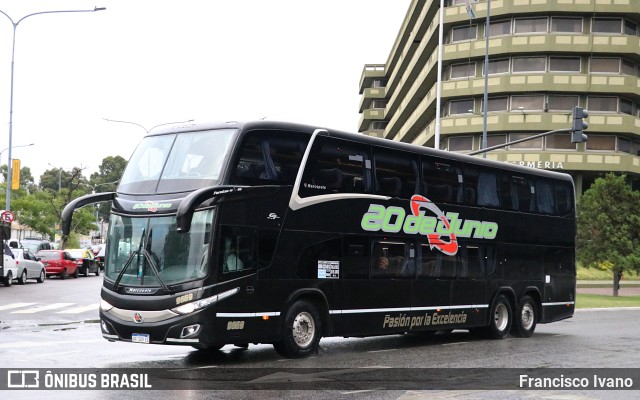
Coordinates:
[155,327]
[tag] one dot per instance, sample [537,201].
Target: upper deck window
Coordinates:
[269,158]
[177,162]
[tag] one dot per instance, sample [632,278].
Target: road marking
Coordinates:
[15,305]
[79,310]
[53,306]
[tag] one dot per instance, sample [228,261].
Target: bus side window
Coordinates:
[544,196]
[396,173]
[488,193]
[315,258]
[355,257]
[442,182]
[518,193]
[336,166]
[434,264]
[236,250]
[269,158]
[563,193]
[392,259]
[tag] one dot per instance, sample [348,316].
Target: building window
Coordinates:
[624,145]
[566,24]
[562,103]
[378,83]
[463,70]
[464,106]
[498,104]
[378,124]
[606,25]
[628,68]
[461,143]
[529,144]
[564,64]
[462,33]
[527,103]
[605,65]
[601,143]
[630,28]
[530,25]
[500,28]
[498,66]
[561,141]
[378,103]
[602,103]
[494,140]
[529,64]
[626,106]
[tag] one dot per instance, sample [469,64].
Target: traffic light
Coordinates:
[579,125]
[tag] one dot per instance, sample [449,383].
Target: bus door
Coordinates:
[469,298]
[376,289]
[432,286]
[237,265]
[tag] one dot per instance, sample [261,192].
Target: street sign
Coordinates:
[7,216]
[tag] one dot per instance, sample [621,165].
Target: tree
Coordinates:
[106,180]
[609,227]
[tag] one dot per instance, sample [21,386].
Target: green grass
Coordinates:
[593,274]
[602,301]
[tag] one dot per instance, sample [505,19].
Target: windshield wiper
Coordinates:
[124,269]
[150,257]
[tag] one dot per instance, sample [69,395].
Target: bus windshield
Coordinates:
[177,162]
[142,245]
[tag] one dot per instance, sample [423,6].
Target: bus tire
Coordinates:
[526,318]
[500,319]
[301,331]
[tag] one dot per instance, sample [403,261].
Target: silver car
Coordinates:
[29,267]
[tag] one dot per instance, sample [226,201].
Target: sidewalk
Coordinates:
[627,287]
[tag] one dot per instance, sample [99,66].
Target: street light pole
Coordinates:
[15,147]
[13,50]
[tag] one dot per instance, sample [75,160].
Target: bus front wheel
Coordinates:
[301,331]
[526,318]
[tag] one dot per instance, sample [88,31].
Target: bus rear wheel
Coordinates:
[526,318]
[301,331]
[500,320]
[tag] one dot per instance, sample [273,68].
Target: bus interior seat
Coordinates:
[440,193]
[331,178]
[391,186]
[470,195]
[408,268]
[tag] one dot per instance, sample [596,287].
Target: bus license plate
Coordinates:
[140,337]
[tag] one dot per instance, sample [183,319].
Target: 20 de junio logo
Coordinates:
[31,379]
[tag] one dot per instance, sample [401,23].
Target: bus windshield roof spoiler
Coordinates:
[67,213]
[189,204]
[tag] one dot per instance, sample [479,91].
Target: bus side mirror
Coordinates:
[67,213]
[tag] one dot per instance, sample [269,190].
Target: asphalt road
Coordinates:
[68,336]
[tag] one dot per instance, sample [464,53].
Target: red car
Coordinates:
[58,262]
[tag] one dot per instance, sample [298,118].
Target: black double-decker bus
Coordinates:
[267,232]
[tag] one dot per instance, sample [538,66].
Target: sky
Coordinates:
[154,61]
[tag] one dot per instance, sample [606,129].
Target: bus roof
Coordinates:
[309,129]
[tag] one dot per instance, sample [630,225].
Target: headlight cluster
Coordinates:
[203,303]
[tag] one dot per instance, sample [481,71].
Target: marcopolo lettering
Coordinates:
[395,219]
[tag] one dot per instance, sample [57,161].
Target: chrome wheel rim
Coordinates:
[304,329]
[527,317]
[501,317]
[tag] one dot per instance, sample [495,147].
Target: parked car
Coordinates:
[28,266]
[9,271]
[85,260]
[58,262]
[35,245]
[100,257]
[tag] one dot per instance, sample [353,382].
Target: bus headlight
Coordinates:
[104,306]
[203,303]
